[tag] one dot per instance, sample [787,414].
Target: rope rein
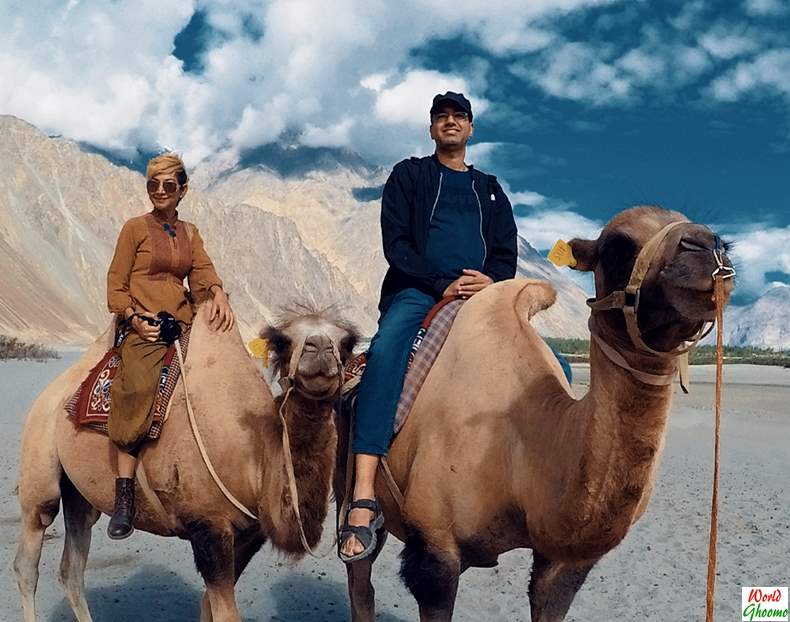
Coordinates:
[202,447]
[718,289]
[287,383]
[288,386]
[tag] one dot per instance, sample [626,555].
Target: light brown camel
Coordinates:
[239,423]
[497,454]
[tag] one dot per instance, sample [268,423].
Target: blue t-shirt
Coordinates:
[455,239]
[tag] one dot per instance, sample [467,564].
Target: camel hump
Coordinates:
[531,296]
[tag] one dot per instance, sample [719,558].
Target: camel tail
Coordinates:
[534,296]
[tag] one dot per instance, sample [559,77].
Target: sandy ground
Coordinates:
[656,574]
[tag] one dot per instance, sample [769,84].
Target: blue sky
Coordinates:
[583,107]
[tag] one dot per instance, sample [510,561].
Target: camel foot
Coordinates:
[552,587]
[432,577]
[79,517]
[34,523]
[361,593]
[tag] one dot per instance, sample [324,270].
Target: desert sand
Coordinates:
[656,574]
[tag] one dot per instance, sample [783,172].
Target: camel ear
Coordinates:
[585,252]
[347,345]
[279,343]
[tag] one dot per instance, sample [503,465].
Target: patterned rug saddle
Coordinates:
[425,348]
[90,405]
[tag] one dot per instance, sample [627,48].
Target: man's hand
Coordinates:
[148,332]
[468,284]
[472,282]
[220,315]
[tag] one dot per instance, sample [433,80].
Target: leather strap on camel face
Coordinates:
[628,299]
[288,384]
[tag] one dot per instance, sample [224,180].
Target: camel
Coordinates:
[498,454]
[239,422]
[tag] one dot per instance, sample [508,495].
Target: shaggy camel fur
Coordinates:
[497,454]
[238,420]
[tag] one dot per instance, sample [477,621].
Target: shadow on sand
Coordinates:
[158,594]
[153,593]
[310,599]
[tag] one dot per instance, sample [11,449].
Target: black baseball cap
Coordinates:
[449,97]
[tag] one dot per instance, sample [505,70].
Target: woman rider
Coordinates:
[153,255]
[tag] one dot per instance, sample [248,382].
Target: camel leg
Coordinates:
[431,574]
[79,517]
[553,586]
[39,499]
[246,546]
[213,548]
[360,589]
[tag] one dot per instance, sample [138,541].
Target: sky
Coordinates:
[582,107]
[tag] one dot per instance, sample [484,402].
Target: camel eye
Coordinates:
[689,245]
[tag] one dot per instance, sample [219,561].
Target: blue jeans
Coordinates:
[382,382]
[388,357]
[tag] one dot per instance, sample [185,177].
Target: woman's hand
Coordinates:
[220,315]
[148,332]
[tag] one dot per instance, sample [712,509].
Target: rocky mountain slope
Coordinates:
[333,216]
[60,213]
[764,323]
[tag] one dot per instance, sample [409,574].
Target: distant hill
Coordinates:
[60,213]
[764,323]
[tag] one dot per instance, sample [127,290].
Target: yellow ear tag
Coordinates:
[259,349]
[562,254]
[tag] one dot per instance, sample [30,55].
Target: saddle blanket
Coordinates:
[425,348]
[90,404]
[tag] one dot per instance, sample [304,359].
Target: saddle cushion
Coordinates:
[90,405]
[425,348]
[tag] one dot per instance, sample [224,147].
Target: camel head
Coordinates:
[322,342]
[675,298]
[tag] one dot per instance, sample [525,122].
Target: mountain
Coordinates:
[281,230]
[764,323]
[337,213]
[60,213]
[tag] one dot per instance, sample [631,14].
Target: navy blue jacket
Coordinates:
[410,194]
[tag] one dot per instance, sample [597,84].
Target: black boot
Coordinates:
[120,526]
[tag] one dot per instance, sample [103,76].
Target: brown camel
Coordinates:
[497,453]
[239,423]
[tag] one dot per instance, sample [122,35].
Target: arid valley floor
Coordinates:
[656,574]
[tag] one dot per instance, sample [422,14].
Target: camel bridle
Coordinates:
[628,300]
[288,384]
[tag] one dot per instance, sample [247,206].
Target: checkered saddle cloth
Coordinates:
[90,404]
[424,350]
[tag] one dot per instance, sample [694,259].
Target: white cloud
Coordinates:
[336,135]
[528,197]
[408,101]
[576,71]
[765,7]
[543,227]
[103,72]
[375,81]
[722,42]
[770,70]
[480,154]
[757,251]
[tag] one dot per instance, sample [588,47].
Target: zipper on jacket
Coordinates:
[436,200]
[480,209]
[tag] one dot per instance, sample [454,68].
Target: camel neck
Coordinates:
[312,441]
[612,439]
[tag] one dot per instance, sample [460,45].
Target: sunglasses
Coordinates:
[441,117]
[168,185]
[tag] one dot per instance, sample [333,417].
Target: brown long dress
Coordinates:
[152,258]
